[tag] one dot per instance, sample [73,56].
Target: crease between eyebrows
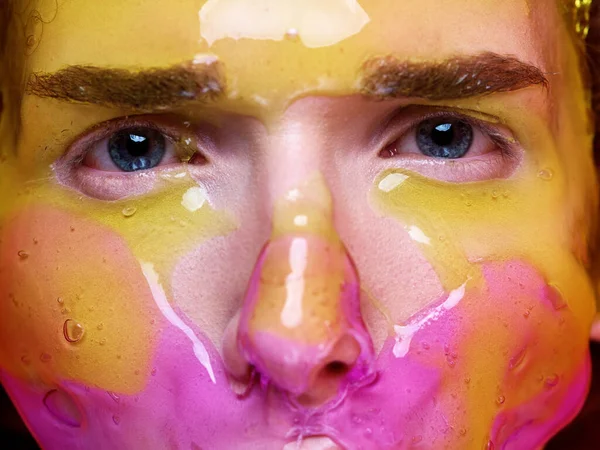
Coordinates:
[455,78]
[144,90]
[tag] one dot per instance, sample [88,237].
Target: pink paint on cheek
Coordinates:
[444,393]
[68,308]
[549,370]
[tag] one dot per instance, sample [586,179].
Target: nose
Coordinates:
[301,325]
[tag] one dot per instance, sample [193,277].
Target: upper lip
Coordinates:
[320,442]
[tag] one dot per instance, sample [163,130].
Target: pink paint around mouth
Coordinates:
[419,400]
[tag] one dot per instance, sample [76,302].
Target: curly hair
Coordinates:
[592,50]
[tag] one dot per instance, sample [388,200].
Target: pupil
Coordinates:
[137,145]
[134,149]
[443,135]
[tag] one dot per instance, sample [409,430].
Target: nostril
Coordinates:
[336,369]
[326,383]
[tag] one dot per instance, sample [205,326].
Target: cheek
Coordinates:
[209,282]
[508,358]
[526,355]
[74,304]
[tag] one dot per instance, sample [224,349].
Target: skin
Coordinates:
[462,278]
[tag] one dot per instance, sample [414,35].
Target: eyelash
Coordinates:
[72,170]
[505,145]
[82,146]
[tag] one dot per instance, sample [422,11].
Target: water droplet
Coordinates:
[186,124]
[551,381]
[35,241]
[516,360]
[153,372]
[489,446]
[506,194]
[129,211]
[441,238]
[102,341]
[116,419]
[494,194]
[60,301]
[425,345]
[526,313]
[114,396]
[63,408]
[555,297]
[468,202]
[467,380]
[25,360]
[72,228]
[100,326]
[417,439]
[73,330]
[545,174]
[23,254]
[45,357]
[500,400]
[462,431]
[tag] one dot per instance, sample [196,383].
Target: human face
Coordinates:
[332,223]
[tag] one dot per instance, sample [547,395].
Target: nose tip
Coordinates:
[300,325]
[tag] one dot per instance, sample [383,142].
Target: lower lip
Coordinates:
[313,443]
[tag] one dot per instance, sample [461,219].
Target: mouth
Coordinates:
[313,443]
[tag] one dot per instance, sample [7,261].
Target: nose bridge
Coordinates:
[294,154]
[301,314]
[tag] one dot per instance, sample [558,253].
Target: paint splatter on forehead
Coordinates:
[277,65]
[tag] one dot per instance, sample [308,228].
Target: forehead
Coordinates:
[282,48]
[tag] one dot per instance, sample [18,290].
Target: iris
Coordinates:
[134,149]
[444,138]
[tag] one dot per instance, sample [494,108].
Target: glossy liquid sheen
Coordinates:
[96,353]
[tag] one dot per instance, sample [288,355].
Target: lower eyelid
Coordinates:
[493,165]
[104,185]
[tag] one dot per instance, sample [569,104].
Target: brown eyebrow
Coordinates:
[454,78]
[144,90]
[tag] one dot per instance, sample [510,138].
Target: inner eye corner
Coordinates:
[388,151]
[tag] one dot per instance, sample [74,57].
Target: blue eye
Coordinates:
[133,149]
[443,138]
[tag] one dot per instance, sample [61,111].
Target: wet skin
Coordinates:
[295,265]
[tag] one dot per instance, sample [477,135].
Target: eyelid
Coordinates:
[81,145]
[405,120]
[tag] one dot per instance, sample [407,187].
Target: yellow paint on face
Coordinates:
[533,217]
[273,71]
[83,264]
[265,73]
